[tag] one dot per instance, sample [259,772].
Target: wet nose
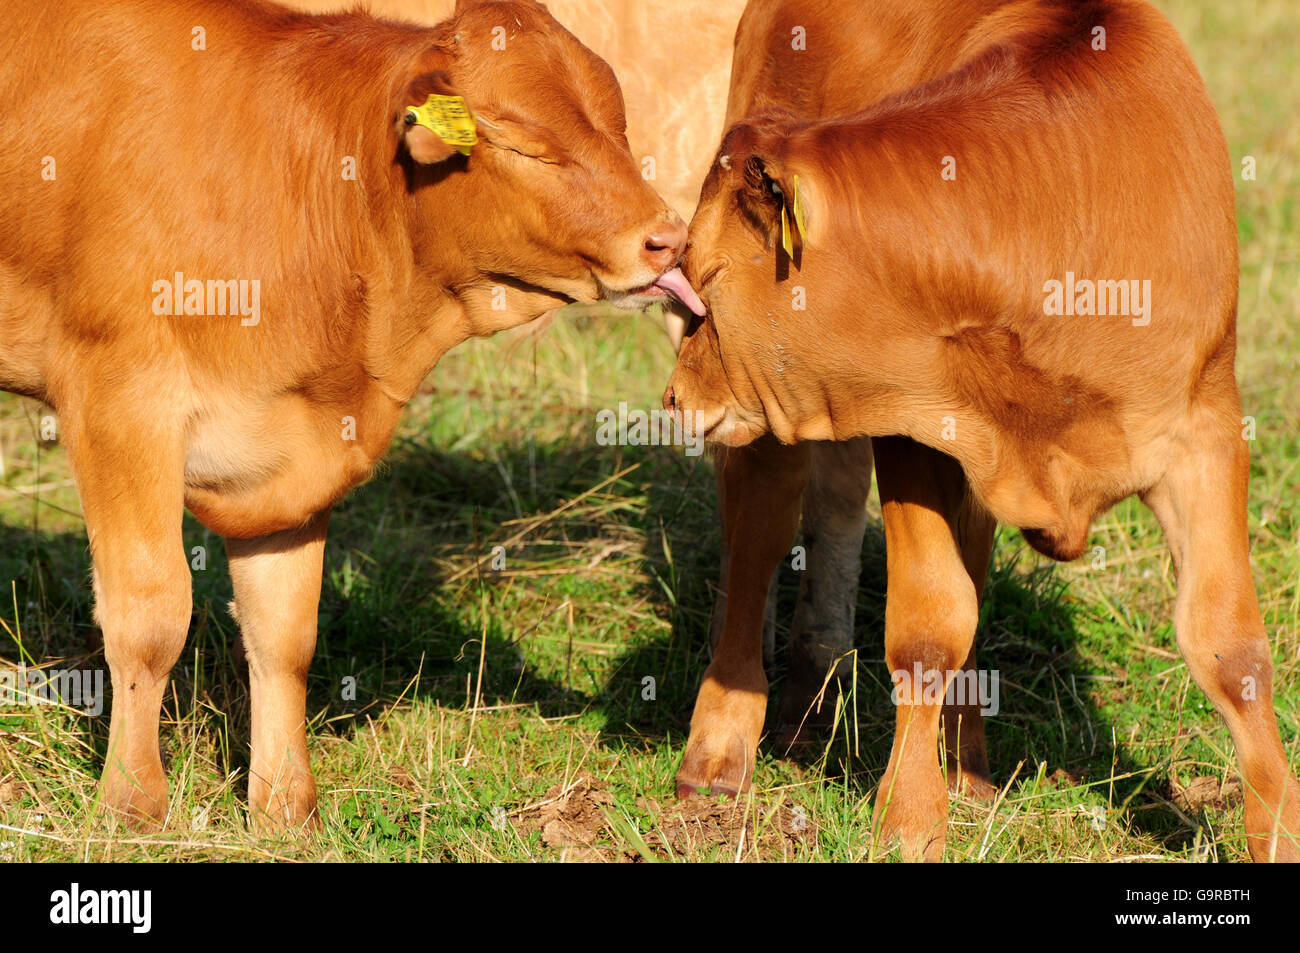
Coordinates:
[663,245]
[670,399]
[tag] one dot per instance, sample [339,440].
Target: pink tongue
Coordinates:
[675,283]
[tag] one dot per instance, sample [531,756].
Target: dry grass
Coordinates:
[479,692]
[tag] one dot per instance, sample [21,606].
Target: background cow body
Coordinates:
[672,65]
[928,316]
[261,153]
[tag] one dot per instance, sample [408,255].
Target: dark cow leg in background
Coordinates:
[834,521]
[760,489]
[277,582]
[931,614]
[1201,505]
[833,524]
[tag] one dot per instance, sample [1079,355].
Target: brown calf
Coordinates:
[228,258]
[1057,315]
[893,47]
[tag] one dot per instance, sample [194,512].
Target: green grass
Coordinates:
[477,692]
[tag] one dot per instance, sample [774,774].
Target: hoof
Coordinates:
[137,804]
[292,810]
[725,729]
[717,771]
[686,789]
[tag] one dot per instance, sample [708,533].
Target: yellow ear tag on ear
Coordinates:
[786,243]
[450,120]
[800,222]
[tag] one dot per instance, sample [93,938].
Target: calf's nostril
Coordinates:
[670,399]
[663,246]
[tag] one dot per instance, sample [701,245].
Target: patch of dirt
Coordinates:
[576,816]
[576,819]
[402,778]
[770,832]
[1206,791]
[1061,778]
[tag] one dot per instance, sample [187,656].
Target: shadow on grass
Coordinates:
[1029,636]
[1028,628]
[396,623]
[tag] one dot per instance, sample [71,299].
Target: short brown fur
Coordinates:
[926,319]
[228,163]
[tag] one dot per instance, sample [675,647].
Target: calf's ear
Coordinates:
[772,199]
[434,122]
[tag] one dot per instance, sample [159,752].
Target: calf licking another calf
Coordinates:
[925,322]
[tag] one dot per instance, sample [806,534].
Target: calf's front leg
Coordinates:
[937,540]
[760,489]
[277,582]
[129,469]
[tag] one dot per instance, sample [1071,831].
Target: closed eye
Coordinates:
[712,272]
[522,139]
[526,151]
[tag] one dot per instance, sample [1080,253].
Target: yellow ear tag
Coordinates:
[450,120]
[786,243]
[800,222]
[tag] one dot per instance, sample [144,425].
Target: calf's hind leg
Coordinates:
[277,582]
[1201,505]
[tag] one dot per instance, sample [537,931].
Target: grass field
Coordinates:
[477,692]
